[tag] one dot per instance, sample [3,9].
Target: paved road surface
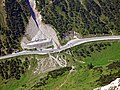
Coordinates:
[70,44]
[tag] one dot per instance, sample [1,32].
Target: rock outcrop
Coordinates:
[114,85]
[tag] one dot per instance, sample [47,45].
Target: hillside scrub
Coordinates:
[17,19]
[87,17]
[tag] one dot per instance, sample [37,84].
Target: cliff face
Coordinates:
[114,85]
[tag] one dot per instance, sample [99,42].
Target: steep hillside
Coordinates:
[98,66]
[2,13]
[86,17]
[114,85]
[89,66]
[17,14]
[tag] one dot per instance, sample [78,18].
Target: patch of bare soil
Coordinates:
[60,61]
[31,31]
[50,63]
[45,65]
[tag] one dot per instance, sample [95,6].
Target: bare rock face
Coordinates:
[114,85]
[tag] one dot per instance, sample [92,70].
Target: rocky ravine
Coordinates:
[40,31]
[114,85]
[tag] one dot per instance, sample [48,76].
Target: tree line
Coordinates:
[13,68]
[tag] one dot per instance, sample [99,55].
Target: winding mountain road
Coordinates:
[70,44]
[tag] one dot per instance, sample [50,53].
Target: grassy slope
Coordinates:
[84,79]
[112,53]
